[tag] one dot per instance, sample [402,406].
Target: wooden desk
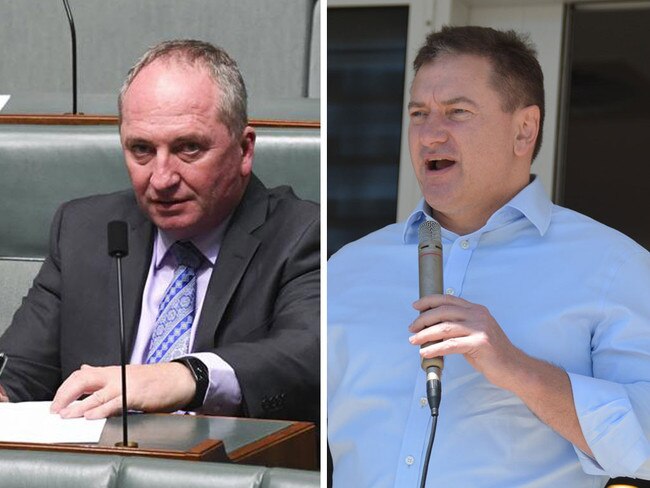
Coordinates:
[273,443]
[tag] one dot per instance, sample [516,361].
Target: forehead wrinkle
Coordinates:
[415,104]
[459,99]
[169,88]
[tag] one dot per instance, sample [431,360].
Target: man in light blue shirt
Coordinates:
[545,320]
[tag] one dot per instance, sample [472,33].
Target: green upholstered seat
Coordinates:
[42,166]
[39,469]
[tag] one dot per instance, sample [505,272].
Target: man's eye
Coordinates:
[140,150]
[189,151]
[190,148]
[417,114]
[459,112]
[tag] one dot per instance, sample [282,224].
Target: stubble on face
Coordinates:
[461,142]
[187,169]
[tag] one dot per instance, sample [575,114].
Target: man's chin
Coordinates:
[176,227]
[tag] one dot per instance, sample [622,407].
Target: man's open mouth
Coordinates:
[438,164]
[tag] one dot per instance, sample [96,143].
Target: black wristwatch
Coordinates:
[201,376]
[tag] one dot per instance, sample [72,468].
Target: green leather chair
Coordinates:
[41,469]
[43,166]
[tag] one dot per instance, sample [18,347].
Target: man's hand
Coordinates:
[469,329]
[163,387]
[3,395]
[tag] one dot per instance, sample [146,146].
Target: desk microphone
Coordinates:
[118,247]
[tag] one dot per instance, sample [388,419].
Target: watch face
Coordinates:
[201,377]
[198,369]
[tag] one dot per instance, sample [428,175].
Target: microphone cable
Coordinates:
[434,393]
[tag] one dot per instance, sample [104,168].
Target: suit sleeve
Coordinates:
[31,342]
[279,374]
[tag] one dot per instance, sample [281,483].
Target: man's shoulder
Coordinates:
[95,211]
[275,215]
[380,242]
[564,218]
[283,199]
[109,202]
[277,207]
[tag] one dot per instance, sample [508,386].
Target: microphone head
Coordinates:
[429,231]
[118,239]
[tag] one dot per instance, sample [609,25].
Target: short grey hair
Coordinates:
[222,69]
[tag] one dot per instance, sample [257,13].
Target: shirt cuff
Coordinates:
[223,396]
[610,427]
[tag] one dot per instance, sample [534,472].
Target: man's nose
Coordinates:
[433,131]
[164,174]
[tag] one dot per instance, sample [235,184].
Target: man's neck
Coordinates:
[471,219]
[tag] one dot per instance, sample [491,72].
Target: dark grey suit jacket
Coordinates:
[261,312]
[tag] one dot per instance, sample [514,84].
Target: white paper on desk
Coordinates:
[3,100]
[33,422]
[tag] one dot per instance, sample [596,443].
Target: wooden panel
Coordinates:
[69,119]
[260,442]
[207,450]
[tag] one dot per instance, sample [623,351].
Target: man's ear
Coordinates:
[527,129]
[247,144]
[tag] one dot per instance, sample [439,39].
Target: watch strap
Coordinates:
[202,377]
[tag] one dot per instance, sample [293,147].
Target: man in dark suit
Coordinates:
[221,283]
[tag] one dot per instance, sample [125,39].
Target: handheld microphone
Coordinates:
[118,247]
[431,282]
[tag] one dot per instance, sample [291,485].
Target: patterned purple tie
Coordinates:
[171,335]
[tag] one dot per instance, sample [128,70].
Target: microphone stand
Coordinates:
[73,36]
[118,248]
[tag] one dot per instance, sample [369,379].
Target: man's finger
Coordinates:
[443,313]
[107,409]
[78,408]
[439,332]
[78,383]
[455,345]
[433,301]
[3,395]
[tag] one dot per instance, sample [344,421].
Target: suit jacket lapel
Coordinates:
[135,267]
[134,275]
[237,249]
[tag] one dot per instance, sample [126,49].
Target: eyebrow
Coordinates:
[452,101]
[193,138]
[131,141]
[461,99]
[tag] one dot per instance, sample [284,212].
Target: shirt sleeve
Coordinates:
[223,396]
[613,406]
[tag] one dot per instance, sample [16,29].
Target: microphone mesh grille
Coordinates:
[429,230]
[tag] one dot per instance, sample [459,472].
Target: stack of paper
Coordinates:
[33,422]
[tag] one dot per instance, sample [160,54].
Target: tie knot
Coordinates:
[187,254]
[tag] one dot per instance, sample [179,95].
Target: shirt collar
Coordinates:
[532,202]
[208,243]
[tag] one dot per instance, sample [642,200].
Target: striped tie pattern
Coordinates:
[171,335]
